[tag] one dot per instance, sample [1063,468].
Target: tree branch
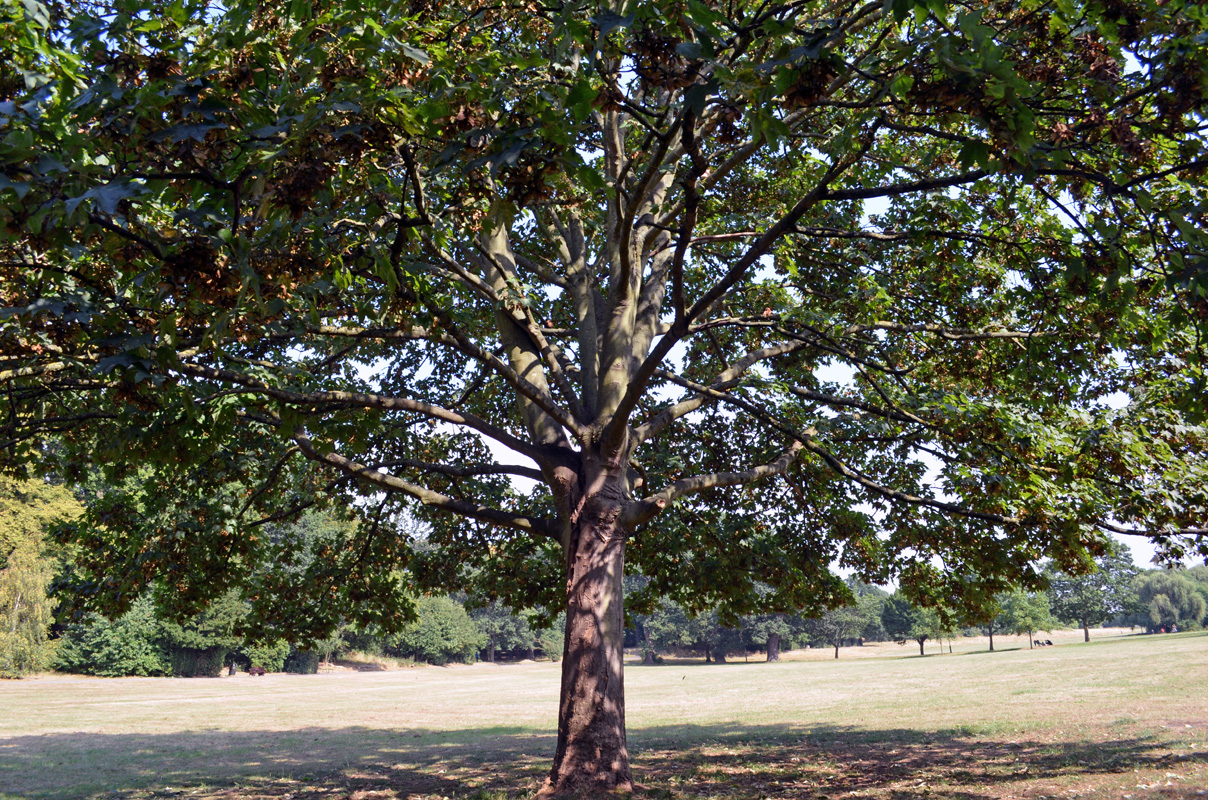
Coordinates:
[649,507]
[426,496]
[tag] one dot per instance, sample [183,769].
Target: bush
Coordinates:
[193,662]
[443,632]
[302,662]
[270,655]
[552,639]
[127,646]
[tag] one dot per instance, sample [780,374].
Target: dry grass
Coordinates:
[1117,717]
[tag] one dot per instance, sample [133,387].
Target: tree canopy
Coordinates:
[746,289]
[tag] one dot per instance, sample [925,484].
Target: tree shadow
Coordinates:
[673,761]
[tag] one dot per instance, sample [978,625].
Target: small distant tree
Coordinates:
[1025,612]
[332,644]
[935,624]
[871,600]
[1168,599]
[442,632]
[1102,591]
[900,618]
[839,624]
[503,628]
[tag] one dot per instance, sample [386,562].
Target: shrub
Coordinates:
[270,655]
[194,662]
[302,662]
[127,646]
[442,633]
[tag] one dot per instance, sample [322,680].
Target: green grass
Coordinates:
[1085,720]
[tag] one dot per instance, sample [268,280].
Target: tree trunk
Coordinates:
[491,652]
[1086,631]
[921,647]
[773,647]
[719,656]
[836,649]
[648,658]
[991,628]
[1031,640]
[592,757]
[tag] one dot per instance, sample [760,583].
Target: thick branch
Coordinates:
[426,496]
[365,400]
[648,508]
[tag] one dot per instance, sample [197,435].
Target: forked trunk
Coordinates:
[921,652]
[592,757]
[773,647]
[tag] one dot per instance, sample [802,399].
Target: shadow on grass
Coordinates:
[680,761]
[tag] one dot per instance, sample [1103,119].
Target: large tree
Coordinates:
[746,288]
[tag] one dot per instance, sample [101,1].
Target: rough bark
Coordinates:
[773,647]
[592,757]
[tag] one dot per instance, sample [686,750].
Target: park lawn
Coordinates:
[1120,717]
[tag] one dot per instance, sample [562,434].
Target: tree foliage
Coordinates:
[442,632]
[725,278]
[1026,612]
[28,562]
[1169,599]
[1096,595]
[128,645]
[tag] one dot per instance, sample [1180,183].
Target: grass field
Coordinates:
[1121,717]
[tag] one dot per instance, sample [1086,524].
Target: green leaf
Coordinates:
[580,98]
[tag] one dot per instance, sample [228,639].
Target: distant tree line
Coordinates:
[35,635]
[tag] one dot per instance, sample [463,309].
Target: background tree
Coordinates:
[442,632]
[1167,599]
[1102,591]
[837,625]
[28,563]
[1199,579]
[934,624]
[128,645]
[320,253]
[900,618]
[503,629]
[871,600]
[773,631]
[1026,612]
